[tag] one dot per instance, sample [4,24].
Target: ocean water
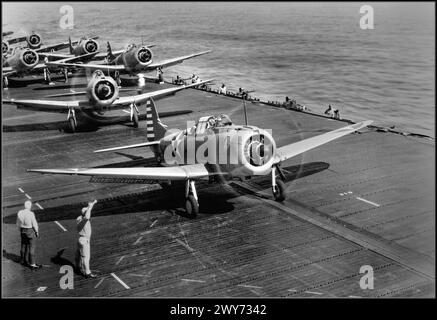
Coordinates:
[314,52]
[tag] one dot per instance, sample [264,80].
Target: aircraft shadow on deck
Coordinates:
[211,200]
[85,124]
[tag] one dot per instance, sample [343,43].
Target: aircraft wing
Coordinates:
[173,61]
[64,106]
[9,71]
[140,98]
[55,47]
[291,150]
[44,105]
[102,67]
[17,40]
[54,55]
[60,46]
[191,171]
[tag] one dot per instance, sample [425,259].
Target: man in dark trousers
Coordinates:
[28,228]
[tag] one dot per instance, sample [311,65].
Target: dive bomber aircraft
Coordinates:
[103,95]
[234,152]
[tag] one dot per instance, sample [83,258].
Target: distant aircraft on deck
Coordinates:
[103,95]
[132,60]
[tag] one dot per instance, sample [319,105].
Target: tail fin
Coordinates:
[70,45]
[155,128]
[110,56]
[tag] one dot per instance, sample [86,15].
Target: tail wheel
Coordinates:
[135,119]
[191,206]
[279,191]
[72,124]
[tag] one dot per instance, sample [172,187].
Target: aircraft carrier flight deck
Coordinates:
[366,199]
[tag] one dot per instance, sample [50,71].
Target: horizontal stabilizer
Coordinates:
[139,145]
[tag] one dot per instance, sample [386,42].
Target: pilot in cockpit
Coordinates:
[130,47]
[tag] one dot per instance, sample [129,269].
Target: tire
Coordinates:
[135,119]
[72,124]
[279,191]
[191,206]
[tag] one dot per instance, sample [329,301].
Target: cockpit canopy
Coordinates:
[210,122]
[130,47]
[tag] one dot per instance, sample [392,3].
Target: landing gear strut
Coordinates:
[191,200]
[278,187]
[134,112]
[71,118]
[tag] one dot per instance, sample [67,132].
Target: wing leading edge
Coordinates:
[291,150]
[192,171]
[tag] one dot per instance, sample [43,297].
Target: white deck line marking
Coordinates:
[312,292]
[193,280]
[60,226]
[21,190]
[185,245]
[154,222]
[138,275]
[138,240]
[39,206]
[120,281]
[100,282]
[369,202]
[119,260]
[248,286]
[27,196]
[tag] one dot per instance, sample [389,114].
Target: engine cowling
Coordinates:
[86,46]
[137,58]
[256,152]
[5,47]
[102,91]
[34,41]
[22,60]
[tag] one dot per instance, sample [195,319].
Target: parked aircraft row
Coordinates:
[232,151]
[132,59]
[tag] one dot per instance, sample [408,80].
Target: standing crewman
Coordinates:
[83,253]
[141,83]
[28,228]
[65,72]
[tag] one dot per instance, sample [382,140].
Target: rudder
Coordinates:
[155,128]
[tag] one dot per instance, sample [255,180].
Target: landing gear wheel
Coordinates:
[72,124]
[279,191]
[191,206]
[135,120]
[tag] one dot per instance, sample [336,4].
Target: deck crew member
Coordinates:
[47,71]
[159,75]
[223,89]
[83,253]
[329,111]
[337,114]
[28,228]
[141,83]
[65,72]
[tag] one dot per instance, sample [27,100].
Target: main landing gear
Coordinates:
[134,112]
[191,200]
[278,186]
[71,118]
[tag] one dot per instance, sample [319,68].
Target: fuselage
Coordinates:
[234,151]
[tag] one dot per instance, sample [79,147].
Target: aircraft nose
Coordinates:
[104,91]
